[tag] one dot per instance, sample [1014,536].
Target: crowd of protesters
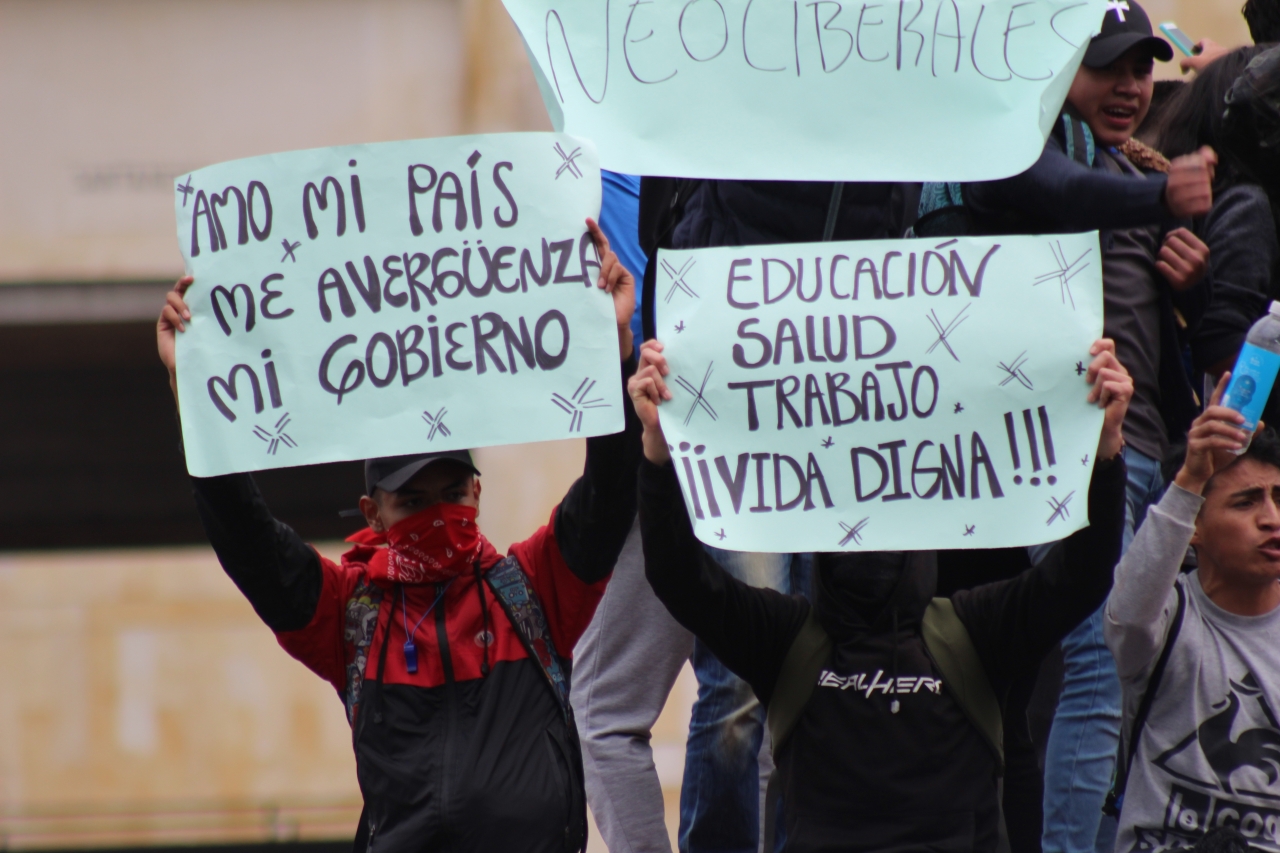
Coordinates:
[1122,684]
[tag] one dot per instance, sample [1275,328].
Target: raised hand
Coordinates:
[171,321]
[648,390]
[618,281]
[1211,441]
[1112,390]
[1189,191]
[1183,259]
[1207,52]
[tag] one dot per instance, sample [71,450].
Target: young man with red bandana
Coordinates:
[452,661]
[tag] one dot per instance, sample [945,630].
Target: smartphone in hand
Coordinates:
[1180,39]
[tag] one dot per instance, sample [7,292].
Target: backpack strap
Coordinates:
[950,647]
[520,602]
[952,650]
[1115,797]
[799,675]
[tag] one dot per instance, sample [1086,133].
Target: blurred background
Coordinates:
[142,703]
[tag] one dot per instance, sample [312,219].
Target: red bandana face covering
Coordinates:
[431,546]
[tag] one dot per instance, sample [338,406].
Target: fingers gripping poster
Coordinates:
[377,300]
[906,90]
[882,395]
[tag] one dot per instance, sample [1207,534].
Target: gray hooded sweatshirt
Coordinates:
[1209,754]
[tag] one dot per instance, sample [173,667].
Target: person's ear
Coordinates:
[475,490]
[372,514]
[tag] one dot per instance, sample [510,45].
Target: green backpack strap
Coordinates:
[800,670]
[963,674]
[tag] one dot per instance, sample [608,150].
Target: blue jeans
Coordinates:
[1081,754]
[723,778]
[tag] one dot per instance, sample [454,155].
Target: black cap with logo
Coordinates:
[1124,25]
[389,473]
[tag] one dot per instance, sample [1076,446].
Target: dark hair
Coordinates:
[1263,18]
[1197,115]
[1194,115]
[1162,95]
[1265,449]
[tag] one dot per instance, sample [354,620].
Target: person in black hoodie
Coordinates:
[1240,230]
[719,797]
[863,769]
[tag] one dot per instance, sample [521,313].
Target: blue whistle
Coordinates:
[410,657]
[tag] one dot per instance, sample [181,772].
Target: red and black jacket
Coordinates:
[448,758]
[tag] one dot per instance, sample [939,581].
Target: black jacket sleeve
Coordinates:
[595,516]
[275,569]
[748,629]
[1014,623]
[1243,260]
[1059,194]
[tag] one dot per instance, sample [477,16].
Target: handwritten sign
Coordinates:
[377,300]
[912,90]
[882,394]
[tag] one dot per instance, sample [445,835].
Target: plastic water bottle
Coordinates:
[1255,372]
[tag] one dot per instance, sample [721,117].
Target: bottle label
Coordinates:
[1251,381]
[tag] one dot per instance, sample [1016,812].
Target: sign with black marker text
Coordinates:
[883,394]
[385,299]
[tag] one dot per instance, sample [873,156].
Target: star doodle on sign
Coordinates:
[569,165]
[720,534]
[279,437]
[1085,460]
[828,441]
[853,534]
[1066,270]
[699,398]
[288,251]
[969,528]
[436,422]
[680,327]
[677,279]
[1059,508]
[186,190]
[1015,371]
[959,408]
[944,331]
[578,403]
[1081,370]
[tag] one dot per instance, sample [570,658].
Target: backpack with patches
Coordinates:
[942,208]
[520,602]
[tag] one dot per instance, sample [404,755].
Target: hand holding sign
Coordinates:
[887,395]
[1112,391]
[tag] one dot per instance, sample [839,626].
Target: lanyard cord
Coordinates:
[404,611]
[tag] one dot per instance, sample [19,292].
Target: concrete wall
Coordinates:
[105,101]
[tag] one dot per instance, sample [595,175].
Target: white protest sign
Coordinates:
[377,300]
[909,90]
[882,394]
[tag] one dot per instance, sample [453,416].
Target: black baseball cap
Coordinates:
[389,473]
[1124,25]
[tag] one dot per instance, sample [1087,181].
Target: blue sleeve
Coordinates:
[1063,195]
[620,221]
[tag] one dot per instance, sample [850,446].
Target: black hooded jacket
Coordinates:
[882,758]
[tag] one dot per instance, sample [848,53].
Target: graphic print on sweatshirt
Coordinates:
[1225,772]
[867,684]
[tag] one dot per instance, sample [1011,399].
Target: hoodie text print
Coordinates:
[902,684]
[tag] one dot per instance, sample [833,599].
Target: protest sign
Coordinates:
[882,394]
[912,90]
[377,300]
